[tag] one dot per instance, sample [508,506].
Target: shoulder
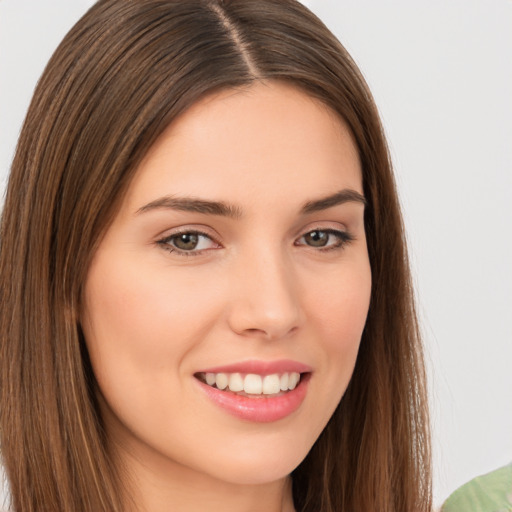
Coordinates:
[491,492]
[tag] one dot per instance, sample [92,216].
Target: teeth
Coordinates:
[221,380]
[293,380]
[271,384]
[254,384]
[283,382]
[236,383]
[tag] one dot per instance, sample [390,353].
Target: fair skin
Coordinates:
[268,274]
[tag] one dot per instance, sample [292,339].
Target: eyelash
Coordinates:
[344,238]
[165,243]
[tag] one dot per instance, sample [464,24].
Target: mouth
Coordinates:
[252,385]
[256,392]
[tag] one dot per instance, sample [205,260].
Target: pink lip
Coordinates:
[259,409]
[261,367]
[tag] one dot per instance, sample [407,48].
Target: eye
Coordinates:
[325,239]
[188,242]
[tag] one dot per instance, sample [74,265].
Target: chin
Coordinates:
[261,465]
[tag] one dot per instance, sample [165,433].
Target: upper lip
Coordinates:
[261,367]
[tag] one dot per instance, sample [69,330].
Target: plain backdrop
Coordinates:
[441,74]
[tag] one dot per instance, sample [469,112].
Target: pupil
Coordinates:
[317,238]
[186,241]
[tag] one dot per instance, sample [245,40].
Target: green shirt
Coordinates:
[487,493]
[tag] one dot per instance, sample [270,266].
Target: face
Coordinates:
[236,265]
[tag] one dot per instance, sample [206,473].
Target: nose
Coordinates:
[266,301]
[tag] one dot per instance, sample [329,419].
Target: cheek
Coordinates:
[139,327]
[142,312]
[340,316]
[342,307]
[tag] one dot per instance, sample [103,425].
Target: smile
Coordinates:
[256,391]
[252,384]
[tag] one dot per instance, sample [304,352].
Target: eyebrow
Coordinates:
[193,204]
[343,196]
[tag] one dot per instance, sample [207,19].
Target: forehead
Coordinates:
[269,139]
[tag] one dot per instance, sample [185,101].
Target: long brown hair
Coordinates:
[122,74]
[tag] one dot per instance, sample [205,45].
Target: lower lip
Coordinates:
[261,410]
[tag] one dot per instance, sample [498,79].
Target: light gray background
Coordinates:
[441,73]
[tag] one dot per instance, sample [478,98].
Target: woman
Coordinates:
[209,303]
